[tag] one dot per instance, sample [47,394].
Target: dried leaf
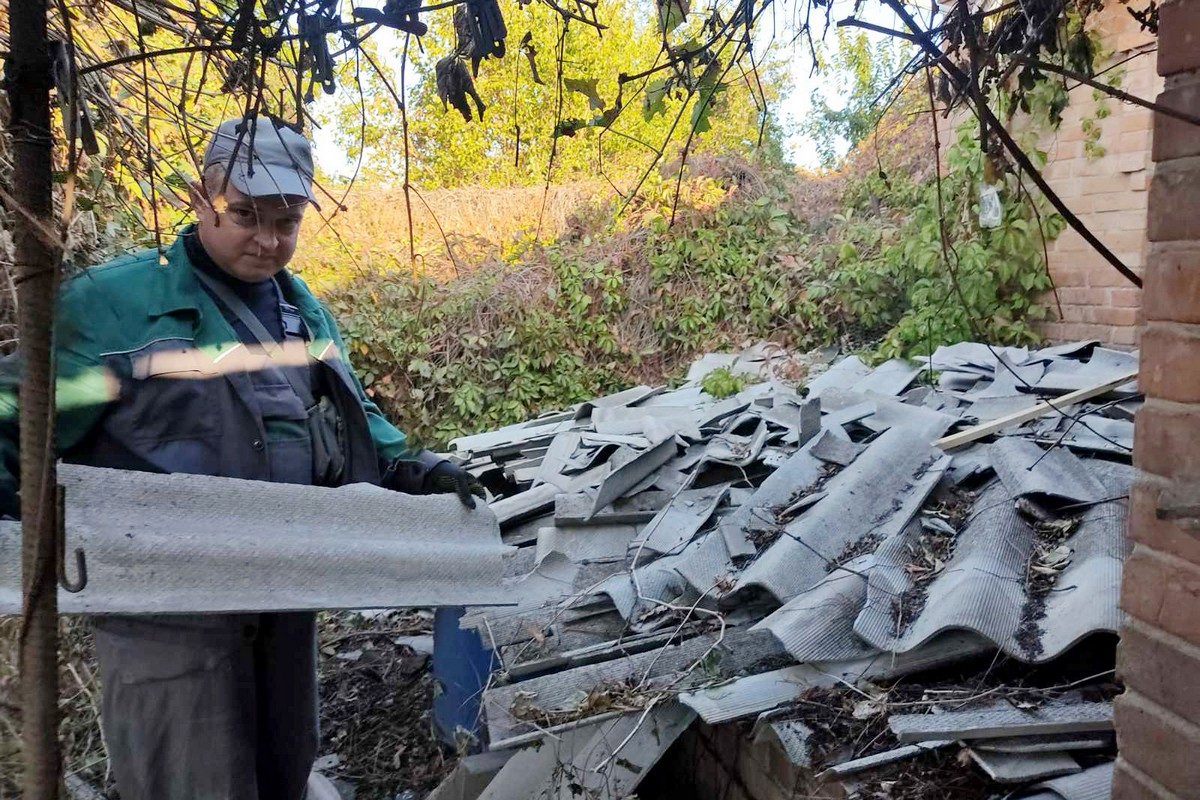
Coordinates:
[536,633]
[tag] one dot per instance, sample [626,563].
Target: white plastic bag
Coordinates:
[991,213]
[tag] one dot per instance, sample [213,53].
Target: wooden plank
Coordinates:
[1040,410]
[1024,767]
[994,723]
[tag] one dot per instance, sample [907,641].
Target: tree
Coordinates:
[863,73]
[575,92]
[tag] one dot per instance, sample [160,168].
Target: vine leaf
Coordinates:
[654,101]
[586,87]
[708,89]
[671,14]
[702,111]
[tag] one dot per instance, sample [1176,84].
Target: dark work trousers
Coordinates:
[209,707]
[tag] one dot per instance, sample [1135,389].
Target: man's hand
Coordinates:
[446,478]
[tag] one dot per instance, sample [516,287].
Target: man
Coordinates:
[218,361]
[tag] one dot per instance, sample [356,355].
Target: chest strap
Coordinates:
[293,328]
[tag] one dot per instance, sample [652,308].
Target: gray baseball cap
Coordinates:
[269,159]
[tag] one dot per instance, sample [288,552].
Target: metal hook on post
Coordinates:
[60,509]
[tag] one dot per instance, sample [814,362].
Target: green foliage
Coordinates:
[980,283]
[722,383]
[526,120]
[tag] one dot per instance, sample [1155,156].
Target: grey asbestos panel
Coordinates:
[1046,744]
[524,504]
[874,496]
[842,375]
[1027,469]
[797,473]
[974,354]
[575,510]
[833,449]
[1067,375]
[629,474]
[889,378]
[764,691]
[991,723]
[604,760]
[1091,784]
[667,665]
[919,420]
[590,544]
[682,519]
[191,543]
[981,587]
[1023,767]
[882,759]
[818,625]
[793,738]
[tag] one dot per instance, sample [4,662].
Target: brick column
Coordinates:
[1158,717]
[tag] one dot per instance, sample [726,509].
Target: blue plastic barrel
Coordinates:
[461,665]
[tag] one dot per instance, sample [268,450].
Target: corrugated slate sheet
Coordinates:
[189,543]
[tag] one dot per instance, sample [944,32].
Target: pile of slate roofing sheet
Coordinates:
[681,556]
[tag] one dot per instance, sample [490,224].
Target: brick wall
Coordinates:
[1108,194]
[1158,717]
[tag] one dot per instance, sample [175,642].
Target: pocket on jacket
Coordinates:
[171,393]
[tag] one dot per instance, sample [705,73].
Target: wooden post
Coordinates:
[37,262]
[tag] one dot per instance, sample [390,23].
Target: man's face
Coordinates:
[251,238]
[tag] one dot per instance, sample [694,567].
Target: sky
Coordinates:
[791,110]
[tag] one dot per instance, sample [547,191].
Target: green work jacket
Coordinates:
[147,379]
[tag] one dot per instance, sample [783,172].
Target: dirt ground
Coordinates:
[376,695]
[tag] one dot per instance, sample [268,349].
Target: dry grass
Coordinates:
[454,230]
[79,705]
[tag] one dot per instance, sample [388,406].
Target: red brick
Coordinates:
[1131,220]
[1170,365]
[1163,591]
[1135,119]
[1167,440]
[1073,332]
[1162,668]
[1106,274]
[1103,183]
[1179,37]
[1065,277]
[1174,198]
[1173,283]
[1123,337]
[1111,316]
[1174,138]
[1168,536]
[1133,142]
[1158,743]
[1075,296]
[1125,297]
[1120,200]
[1131,784]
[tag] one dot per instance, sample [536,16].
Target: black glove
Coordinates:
[446,478]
